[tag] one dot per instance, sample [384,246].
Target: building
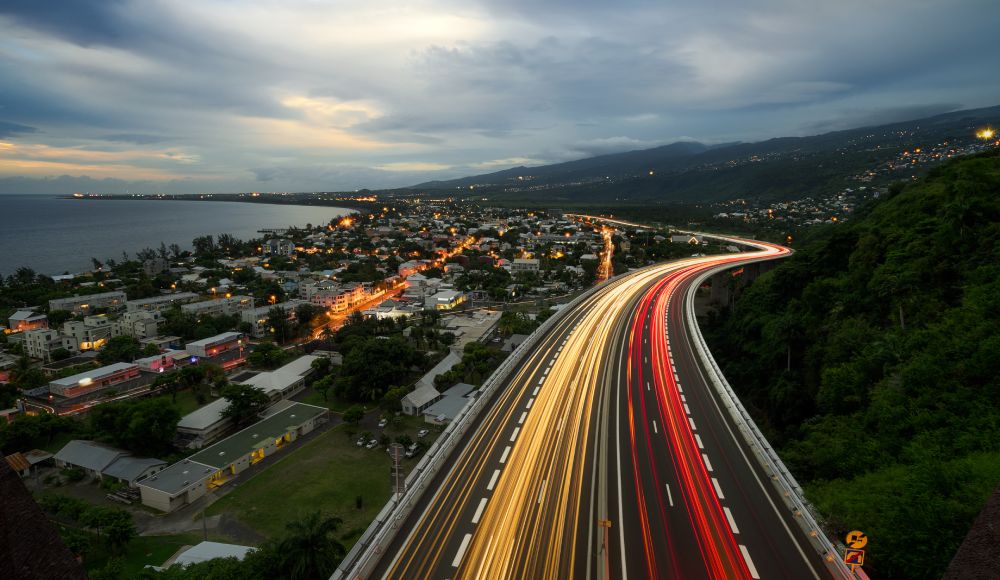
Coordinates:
[115,375]
[686,239]
[279,247]
[286,381]
[91,333]
[27,319]
[163,362]
[414,402]
[451,403]
[214,346]
[339,298]
[186,481]
[219,307]
[205,425]
[138,324]
[257,317]
[40,343]
[444,300]
[99,461]
[204,551]
[160,303]
[524,265]
[86,304]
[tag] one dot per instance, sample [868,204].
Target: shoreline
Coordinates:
[297,199]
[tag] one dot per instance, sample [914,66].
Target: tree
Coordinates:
[146,427]
[323,386]
[311,550]
[119,532]
[245,403]
[120,349]
[354,414]
[267,355]
[321,365]
[278,323]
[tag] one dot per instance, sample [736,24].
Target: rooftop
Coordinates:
[215,339]
[235,446]
[130,468]
[89,454]
[452,402]
[204,417]
[178,476]
[211,550]
[93,374]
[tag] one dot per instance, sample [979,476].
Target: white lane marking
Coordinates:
[670,496]
[506,452]
[541,492]
[647,385]
[461,550]
[479,511]
[679,389]
[645,359]
[530,403]
[560,348]
[732,522]
[687,409]
[683,399]
[677,378]
[718,490]
[746,558]
[524,416]
[655,430]
[541,381]
[535,392]
[547,369]
[708,464]
[493,480]
[693,428]
[698,439]
[513,435]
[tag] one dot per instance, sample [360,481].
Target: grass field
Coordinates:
[142,550]
[328,473]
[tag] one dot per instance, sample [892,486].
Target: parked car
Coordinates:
[361,442]
[372,444]
[383,422]
[423,433]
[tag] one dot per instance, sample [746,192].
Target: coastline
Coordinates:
[299,199]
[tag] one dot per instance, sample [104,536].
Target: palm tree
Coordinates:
[310,550]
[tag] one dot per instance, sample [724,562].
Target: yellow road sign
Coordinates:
[857,540]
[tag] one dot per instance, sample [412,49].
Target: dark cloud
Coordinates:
[82,22]
[850,119]
[136,138]
[11,129]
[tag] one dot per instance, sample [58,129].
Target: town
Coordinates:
[161,379]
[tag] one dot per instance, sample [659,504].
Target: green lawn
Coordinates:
[333,403]
[187,403]
[141,551]
[327,474]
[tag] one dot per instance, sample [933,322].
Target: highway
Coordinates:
[607,454]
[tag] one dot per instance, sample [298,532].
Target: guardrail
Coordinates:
[782,479]
[370,548]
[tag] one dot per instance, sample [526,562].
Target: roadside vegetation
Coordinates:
[872,361]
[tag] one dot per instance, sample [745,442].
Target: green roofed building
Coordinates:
[191,478]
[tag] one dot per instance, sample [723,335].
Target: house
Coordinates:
[513,342]
[285,381]
[154,266]
[187,480]
[27,319]
[23,463]
[450,404]
[86,304]
[131,470]
[138,324]
[414,402]
[163,362]
[89,456]
[686,239]
[91,333]
[279,247]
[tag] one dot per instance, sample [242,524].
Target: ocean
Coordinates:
[53,235]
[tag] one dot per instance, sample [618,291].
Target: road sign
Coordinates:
[856,540]
[604,523]
[854,557]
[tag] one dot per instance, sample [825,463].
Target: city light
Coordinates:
[986,133]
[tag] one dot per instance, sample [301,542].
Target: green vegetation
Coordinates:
[478,361]
[327,473]
[871,358]
[146,427]
[245,404]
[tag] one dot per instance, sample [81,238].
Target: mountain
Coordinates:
[780,168]
[871,359]
[627,163]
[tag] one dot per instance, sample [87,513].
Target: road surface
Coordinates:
[606,455]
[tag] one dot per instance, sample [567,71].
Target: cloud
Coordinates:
[11,129]
[317,96]
[851,118]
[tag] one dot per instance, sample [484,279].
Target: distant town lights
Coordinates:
[986,133]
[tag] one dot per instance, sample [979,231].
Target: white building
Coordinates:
[40,343]
[220,306]
[525,265]
[216,345]
[444,300]
[91,333]
[160,303]
[138,324]
[94,380]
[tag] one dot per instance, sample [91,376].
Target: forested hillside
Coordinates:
[871,358]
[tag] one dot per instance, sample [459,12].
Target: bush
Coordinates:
[73,474]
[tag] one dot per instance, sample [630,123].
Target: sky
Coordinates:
[188,96]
